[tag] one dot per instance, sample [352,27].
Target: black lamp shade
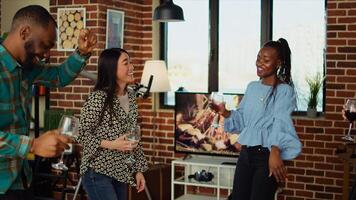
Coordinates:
[168,12]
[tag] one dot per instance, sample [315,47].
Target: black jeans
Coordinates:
[352,195]
[251,180]
[17,195]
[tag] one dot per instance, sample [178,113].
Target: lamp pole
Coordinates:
[154,124]
[160,83]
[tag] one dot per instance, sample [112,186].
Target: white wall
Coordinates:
[155,34]
[9,8]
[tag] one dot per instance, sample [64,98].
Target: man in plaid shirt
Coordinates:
[32,35]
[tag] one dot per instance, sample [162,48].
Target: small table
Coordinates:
[347,153]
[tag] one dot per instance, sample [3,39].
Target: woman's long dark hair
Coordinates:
[284,71]
[107,70]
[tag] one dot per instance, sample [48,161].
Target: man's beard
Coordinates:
[28,63]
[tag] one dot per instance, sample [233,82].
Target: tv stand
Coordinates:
[229,163]
[223,175]
[187,156]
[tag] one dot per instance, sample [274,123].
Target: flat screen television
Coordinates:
[198,129]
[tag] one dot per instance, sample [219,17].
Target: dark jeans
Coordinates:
[251,181]
[352,195]
[17,195]
[102,187]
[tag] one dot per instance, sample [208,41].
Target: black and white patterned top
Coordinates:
[91,133]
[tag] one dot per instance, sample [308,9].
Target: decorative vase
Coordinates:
[311,112]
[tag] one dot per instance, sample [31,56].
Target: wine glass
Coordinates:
[216,99]
[350,114]
[134,135]
[69,127]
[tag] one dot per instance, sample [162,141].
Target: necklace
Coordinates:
[263,98]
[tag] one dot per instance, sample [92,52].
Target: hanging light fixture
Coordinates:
[168,12]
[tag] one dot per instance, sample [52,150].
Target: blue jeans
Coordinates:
[102,187]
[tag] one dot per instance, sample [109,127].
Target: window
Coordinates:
[306,36]
[239,43]
[216,47]
[188,49]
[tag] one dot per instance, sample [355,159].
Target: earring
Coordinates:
[281,73]
[278,69]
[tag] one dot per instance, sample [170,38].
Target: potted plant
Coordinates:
[315,83]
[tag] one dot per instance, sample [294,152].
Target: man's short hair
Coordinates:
[33,14]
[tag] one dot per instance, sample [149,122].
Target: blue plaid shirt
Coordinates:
[15,101]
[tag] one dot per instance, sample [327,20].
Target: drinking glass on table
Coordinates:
[67,126]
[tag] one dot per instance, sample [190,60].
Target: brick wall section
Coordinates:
[316,174]
[96,20]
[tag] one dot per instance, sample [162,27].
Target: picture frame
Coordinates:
[70,22]
[114,28]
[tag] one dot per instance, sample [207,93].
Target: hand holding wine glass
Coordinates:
[217,104]
[121,144]
[50,144]
[133,136]
[67,126]
[349,112]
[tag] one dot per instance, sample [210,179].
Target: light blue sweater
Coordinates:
[265,120]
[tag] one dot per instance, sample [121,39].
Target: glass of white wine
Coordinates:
[216,98]
[134,135]
[67,126]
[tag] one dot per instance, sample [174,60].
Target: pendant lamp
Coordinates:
[168,12]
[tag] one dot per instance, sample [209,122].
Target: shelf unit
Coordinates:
[223,175]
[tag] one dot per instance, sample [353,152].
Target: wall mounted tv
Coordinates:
[198,129]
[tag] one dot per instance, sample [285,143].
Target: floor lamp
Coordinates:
[160,83]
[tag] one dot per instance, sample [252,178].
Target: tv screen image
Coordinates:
[198,129]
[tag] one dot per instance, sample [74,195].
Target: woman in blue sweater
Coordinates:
[263,119]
